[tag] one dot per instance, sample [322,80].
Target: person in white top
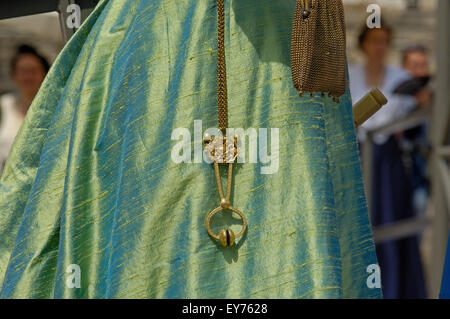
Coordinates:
[375,73]
[28,69]
[398,106]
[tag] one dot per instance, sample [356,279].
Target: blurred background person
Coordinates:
[400,261]
[414,141]
[28,70]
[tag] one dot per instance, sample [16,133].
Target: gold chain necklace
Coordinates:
[220,149]
[317,66]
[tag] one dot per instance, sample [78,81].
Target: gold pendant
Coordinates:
[220,150]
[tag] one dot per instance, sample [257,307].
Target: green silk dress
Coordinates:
[91,181]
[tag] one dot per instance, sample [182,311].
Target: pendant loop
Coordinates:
[224,236]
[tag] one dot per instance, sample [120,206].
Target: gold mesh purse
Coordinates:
[318,47]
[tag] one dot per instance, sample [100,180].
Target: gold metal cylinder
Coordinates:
[226,237]
[368,106]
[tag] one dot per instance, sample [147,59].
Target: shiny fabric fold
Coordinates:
[91,182]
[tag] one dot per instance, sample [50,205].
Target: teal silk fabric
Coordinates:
[91,181]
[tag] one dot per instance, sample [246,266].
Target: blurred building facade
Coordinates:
[412,21]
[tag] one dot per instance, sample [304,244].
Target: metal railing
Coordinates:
[440,192]
[414,119]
